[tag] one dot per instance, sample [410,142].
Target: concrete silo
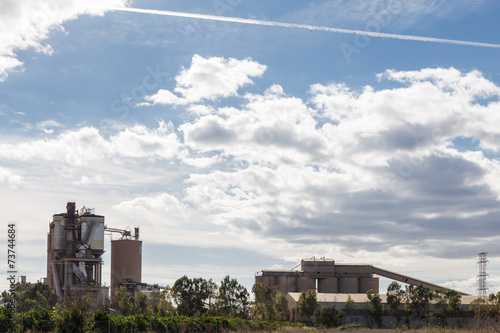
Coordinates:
[126,263]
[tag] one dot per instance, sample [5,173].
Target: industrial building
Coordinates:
[75,245]
[361,304]
[325,276]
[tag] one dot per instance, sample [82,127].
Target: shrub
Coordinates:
[75,319]
[328,316]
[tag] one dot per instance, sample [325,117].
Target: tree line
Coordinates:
[192,297]
[409,304]
[201,298]
[189,301]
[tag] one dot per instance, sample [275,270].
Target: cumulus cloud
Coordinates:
[209,79]
[347,164]
[10,178]
[79,147]
[371,174]
[47,126]
[164,203]
[89,180]
[26,24]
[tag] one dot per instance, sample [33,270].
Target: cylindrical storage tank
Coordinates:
[269,281]
[305,283]
[348,285]
[329,285]
[58,242]
[366,284]
[287,284]
[126,262]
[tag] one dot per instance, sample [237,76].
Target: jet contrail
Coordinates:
[304,26]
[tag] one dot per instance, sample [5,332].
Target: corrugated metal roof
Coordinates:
[360,298]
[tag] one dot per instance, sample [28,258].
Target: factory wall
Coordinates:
[324,276]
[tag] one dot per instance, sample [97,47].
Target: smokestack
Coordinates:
[70,209]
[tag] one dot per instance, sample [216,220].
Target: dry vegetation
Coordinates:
[491,328]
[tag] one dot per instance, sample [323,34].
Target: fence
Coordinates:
[125,325]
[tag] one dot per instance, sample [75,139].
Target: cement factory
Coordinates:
[327,277]
[75,245]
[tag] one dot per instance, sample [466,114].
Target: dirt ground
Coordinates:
[490,329]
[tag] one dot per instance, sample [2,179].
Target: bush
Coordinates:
[349,327]
[328,316]
[75,319]
[101,321]
[121,324]
[6,322]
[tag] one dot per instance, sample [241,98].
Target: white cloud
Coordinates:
[11,179]
[26,24]
[165,204]
[89,180]
[373,175]
[47,126]
[209,79]
[357,162]
[140,141]
[85,145]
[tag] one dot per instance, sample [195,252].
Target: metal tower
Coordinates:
[482,289]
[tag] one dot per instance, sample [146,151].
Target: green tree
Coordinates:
[39,317]
[418,299]
[211,302]
[233,299]
[6,322]
[394,300]
[281,311]
[376,307]
[142,306]
[328,316]
[124,301]
[350,306]
[166,307]
[24,296]
[454,301]
[191,295]
[441,306]
[155,301]
[269,304]
[264,301]
[308,303]
[480,307]
[75,318]
[494,305]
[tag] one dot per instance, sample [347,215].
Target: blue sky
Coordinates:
[239,147]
